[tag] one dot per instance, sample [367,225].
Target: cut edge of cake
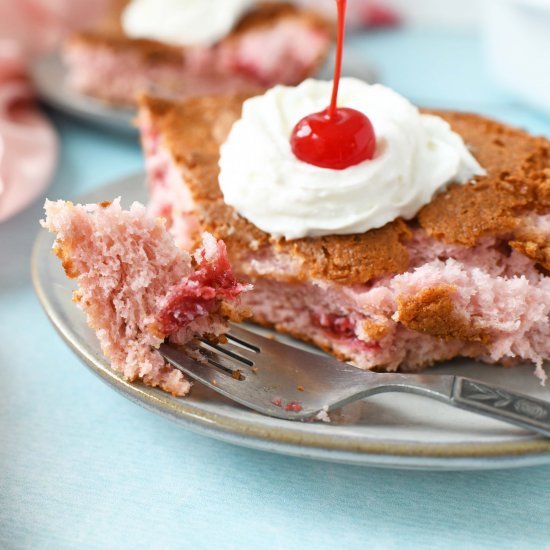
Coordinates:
[138,289]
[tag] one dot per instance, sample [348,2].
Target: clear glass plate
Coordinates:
[391,430]
[48,74]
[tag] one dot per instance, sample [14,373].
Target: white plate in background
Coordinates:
[48,74]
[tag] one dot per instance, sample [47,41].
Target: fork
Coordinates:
[282,381]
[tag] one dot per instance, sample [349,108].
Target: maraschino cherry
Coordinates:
[338,137]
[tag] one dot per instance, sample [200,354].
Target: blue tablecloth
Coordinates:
[81,467]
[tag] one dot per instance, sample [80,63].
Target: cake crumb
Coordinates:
[323,416]
[293,406]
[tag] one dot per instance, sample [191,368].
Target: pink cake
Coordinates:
[274,43]
[137,288]
[450,302]
[469,276]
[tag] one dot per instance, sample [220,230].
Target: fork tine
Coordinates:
[210,376]
[247,337]
[243,356]
[241,391]
[212,354]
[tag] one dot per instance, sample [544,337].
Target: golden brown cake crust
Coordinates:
[534,245]
[109,33]
[517,185]
[351,258]
[431,311]
[111,23]
[149,51]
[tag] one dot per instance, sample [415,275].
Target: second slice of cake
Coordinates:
[273,42]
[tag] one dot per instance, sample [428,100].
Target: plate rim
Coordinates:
[387,453]
[62,98]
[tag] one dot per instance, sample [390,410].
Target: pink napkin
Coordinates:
[28,144]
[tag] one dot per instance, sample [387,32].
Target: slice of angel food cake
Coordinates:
[423,237]
[180,49]
[138,289]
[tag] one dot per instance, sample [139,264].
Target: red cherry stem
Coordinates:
[339,52]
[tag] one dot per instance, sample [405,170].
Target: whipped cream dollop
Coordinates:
[417,155]
[183,22]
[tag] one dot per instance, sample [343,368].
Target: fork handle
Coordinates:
[514,408]
[471,395]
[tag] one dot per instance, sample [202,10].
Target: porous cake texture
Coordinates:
[274,43]
[468,276]
[138,289]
